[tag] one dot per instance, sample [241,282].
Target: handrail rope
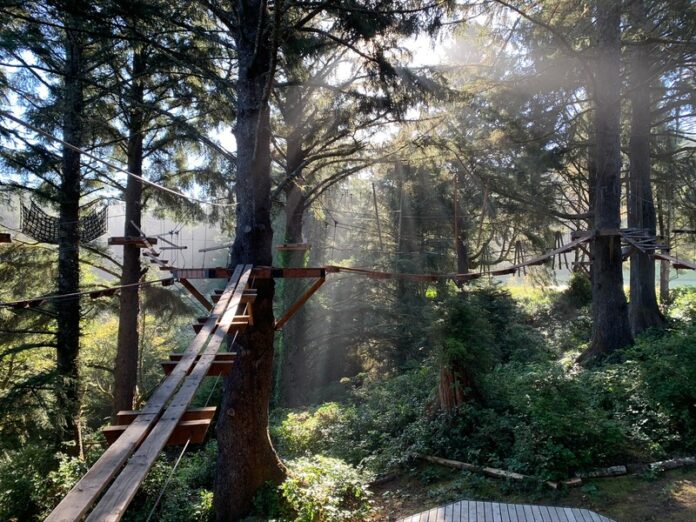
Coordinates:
[51,137]
[169,479]
[103,291]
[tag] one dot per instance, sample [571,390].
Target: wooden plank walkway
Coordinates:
[141,442]
[472,511]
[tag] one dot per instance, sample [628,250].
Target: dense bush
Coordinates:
[323,489]
[536,415]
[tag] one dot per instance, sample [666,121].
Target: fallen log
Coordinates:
[664,465]
[495,472]
[611,471]
[383,479]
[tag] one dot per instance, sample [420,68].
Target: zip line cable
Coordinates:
[51,137]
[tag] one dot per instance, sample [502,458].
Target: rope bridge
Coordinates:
[37,224]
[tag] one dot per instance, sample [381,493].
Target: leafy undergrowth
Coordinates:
[668,497]
[534,411]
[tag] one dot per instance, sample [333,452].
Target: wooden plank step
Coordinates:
[132,240]
[220,356]
[196,430]
[126,417]
[216,368]
[248,292]
[241,317]
[234,325]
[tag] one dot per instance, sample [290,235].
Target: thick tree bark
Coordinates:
[126,365]
[644,312]
[454,388]
[246,458]
[610,330]
[68,310]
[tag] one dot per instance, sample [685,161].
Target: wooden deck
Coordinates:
[470,511]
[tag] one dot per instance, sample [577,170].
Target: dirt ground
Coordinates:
[667,497]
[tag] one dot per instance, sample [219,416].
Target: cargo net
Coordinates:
[44,228]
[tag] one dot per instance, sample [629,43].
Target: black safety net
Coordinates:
[45,228]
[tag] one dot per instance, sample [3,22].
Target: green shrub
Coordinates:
[668,370]
[322,489]
[579,291]
[683,304]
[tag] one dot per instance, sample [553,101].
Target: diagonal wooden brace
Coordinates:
[298,304]
[195,293]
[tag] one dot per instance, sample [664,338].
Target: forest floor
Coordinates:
[668,497]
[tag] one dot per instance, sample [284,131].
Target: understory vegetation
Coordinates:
[534,412]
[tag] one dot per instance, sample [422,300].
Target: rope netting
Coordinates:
[45,228]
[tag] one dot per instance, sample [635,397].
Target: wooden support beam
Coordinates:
[262,272]
[220,356]
[212,249]
[298,304]
[88,489]
[239,323]
[5,237]
[193,425]
[132,240]
[288,273]
[216,368]
[125,417]
[195,293]
[115,501]
[680,264]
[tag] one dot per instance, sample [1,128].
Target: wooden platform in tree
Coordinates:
[132,240]
[471,511]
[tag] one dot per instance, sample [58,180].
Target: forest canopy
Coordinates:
[347,242]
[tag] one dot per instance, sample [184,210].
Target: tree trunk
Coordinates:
[454,388]
[665,222]
[68,310]
[126,365]
[246,458]
[610,330]
[293,371]
[644,312]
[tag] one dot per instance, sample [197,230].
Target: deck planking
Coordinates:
[474,511]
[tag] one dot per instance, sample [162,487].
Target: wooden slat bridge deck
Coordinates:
[116,477]
[471,511]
